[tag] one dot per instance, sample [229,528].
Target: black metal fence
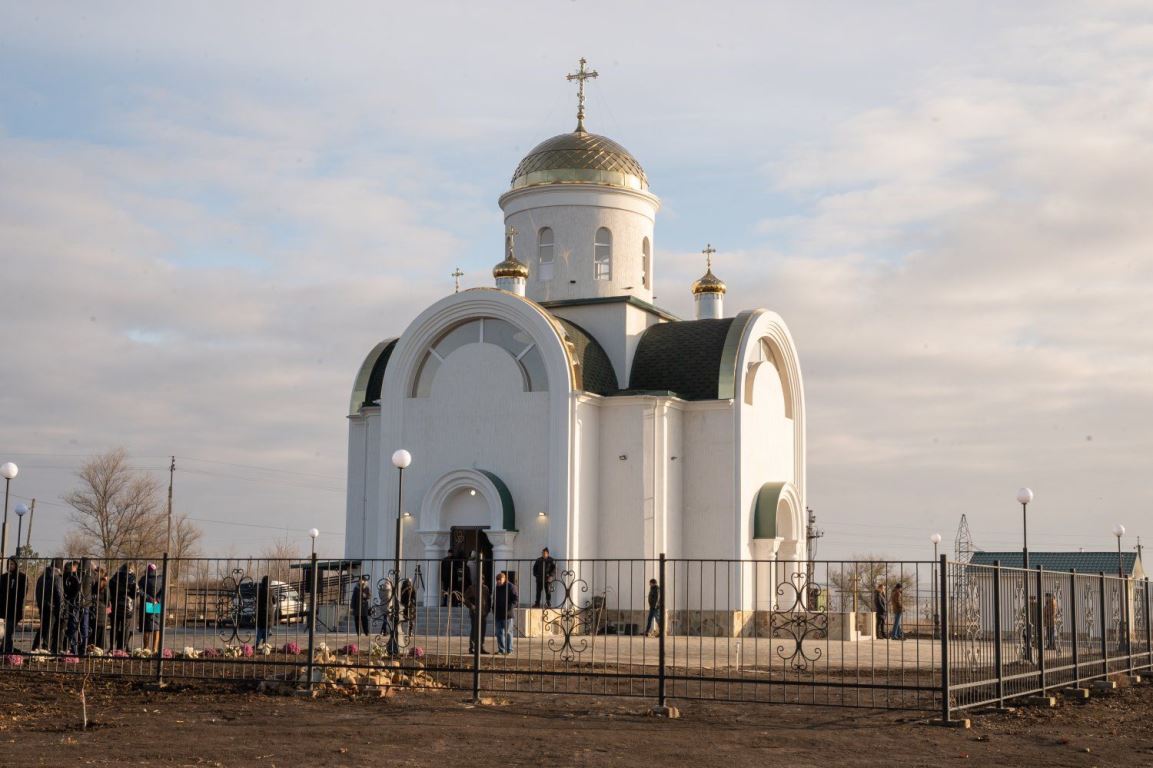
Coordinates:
[951,636]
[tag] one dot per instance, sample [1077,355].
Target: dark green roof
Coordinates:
[370,378]
[696,359]
[1083,562]
[596,370]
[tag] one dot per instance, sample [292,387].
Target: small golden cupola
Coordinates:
[709,290]
[510,274]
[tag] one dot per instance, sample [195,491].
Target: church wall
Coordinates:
[622,503]
[575,214]
[617,326]
[361,520]
[709,515]
[587,472]
[478,417]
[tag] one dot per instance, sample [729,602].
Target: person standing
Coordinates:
[70,613]
[263,610]
[881,608]
[13,591]
[84,606]
[122,593]
[897,604]
[151,590]
[652,623]
[478,601]
[543,573]
[505,599]
[101,608]
[361,605]
[50,602]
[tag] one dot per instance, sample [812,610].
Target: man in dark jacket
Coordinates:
[361,605]
[265,614]
[70,613]
[122,593]
[50,602]
[505,599]
[881,608]
[652,623]
[543,572]
[478,601]
[13,591]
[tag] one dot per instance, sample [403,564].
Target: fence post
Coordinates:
[945,709]
[998,653]
[1042,632]
[163,618]
[478,630]
[1073,615]
[661,681]
[312,599]
[1124,629]
[1148,629]
[1104,634]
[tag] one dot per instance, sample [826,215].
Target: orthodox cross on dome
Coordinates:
[580,76]
[457,275]
[509,241]
[708,252]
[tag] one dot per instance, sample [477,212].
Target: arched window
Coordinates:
[486,330]
[646,255]
[603,255]
[544,253]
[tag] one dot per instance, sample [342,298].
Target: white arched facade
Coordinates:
[537,422]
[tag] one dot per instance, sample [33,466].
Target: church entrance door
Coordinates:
[467,539]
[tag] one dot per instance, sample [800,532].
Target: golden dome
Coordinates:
[510,267]
[580,157]
[709,283]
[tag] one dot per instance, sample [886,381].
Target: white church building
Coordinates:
[562,408]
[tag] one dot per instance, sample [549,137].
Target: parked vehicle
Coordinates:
[287,605]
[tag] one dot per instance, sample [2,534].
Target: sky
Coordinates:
[211,212]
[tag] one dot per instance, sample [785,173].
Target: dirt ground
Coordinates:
[203,724]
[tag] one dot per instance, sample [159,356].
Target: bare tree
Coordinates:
[276,556]
[118,515]
[856,579]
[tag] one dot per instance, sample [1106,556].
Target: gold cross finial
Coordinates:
[457,275]
[580,76]
[510,234]
[708,252]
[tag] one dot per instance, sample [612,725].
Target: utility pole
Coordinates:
[171,474]
[812,533]
[28,539]
[1138,541]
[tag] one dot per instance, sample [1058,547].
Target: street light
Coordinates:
[313,532]
[936,539]
[9,471]
[401,459]
[1024,496]
[20,511]
[1119,531]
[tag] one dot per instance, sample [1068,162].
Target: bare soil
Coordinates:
[212,724]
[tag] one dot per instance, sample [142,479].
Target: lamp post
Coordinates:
[8,470]
[936,539]
[401,459]
[1024,496]
[20,511]
[1123,629]
[313,533]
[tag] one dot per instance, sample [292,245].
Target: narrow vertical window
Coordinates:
[646,256]
[544,253]
[603,255]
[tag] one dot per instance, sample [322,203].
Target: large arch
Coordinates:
[502,513]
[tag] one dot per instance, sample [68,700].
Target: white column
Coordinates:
[765,552]
[710,306]
[435,548]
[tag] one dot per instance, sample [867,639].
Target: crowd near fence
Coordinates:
[940,637]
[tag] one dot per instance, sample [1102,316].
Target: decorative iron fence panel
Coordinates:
[818,633]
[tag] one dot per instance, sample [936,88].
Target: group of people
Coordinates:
[81,605]
[886,604]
